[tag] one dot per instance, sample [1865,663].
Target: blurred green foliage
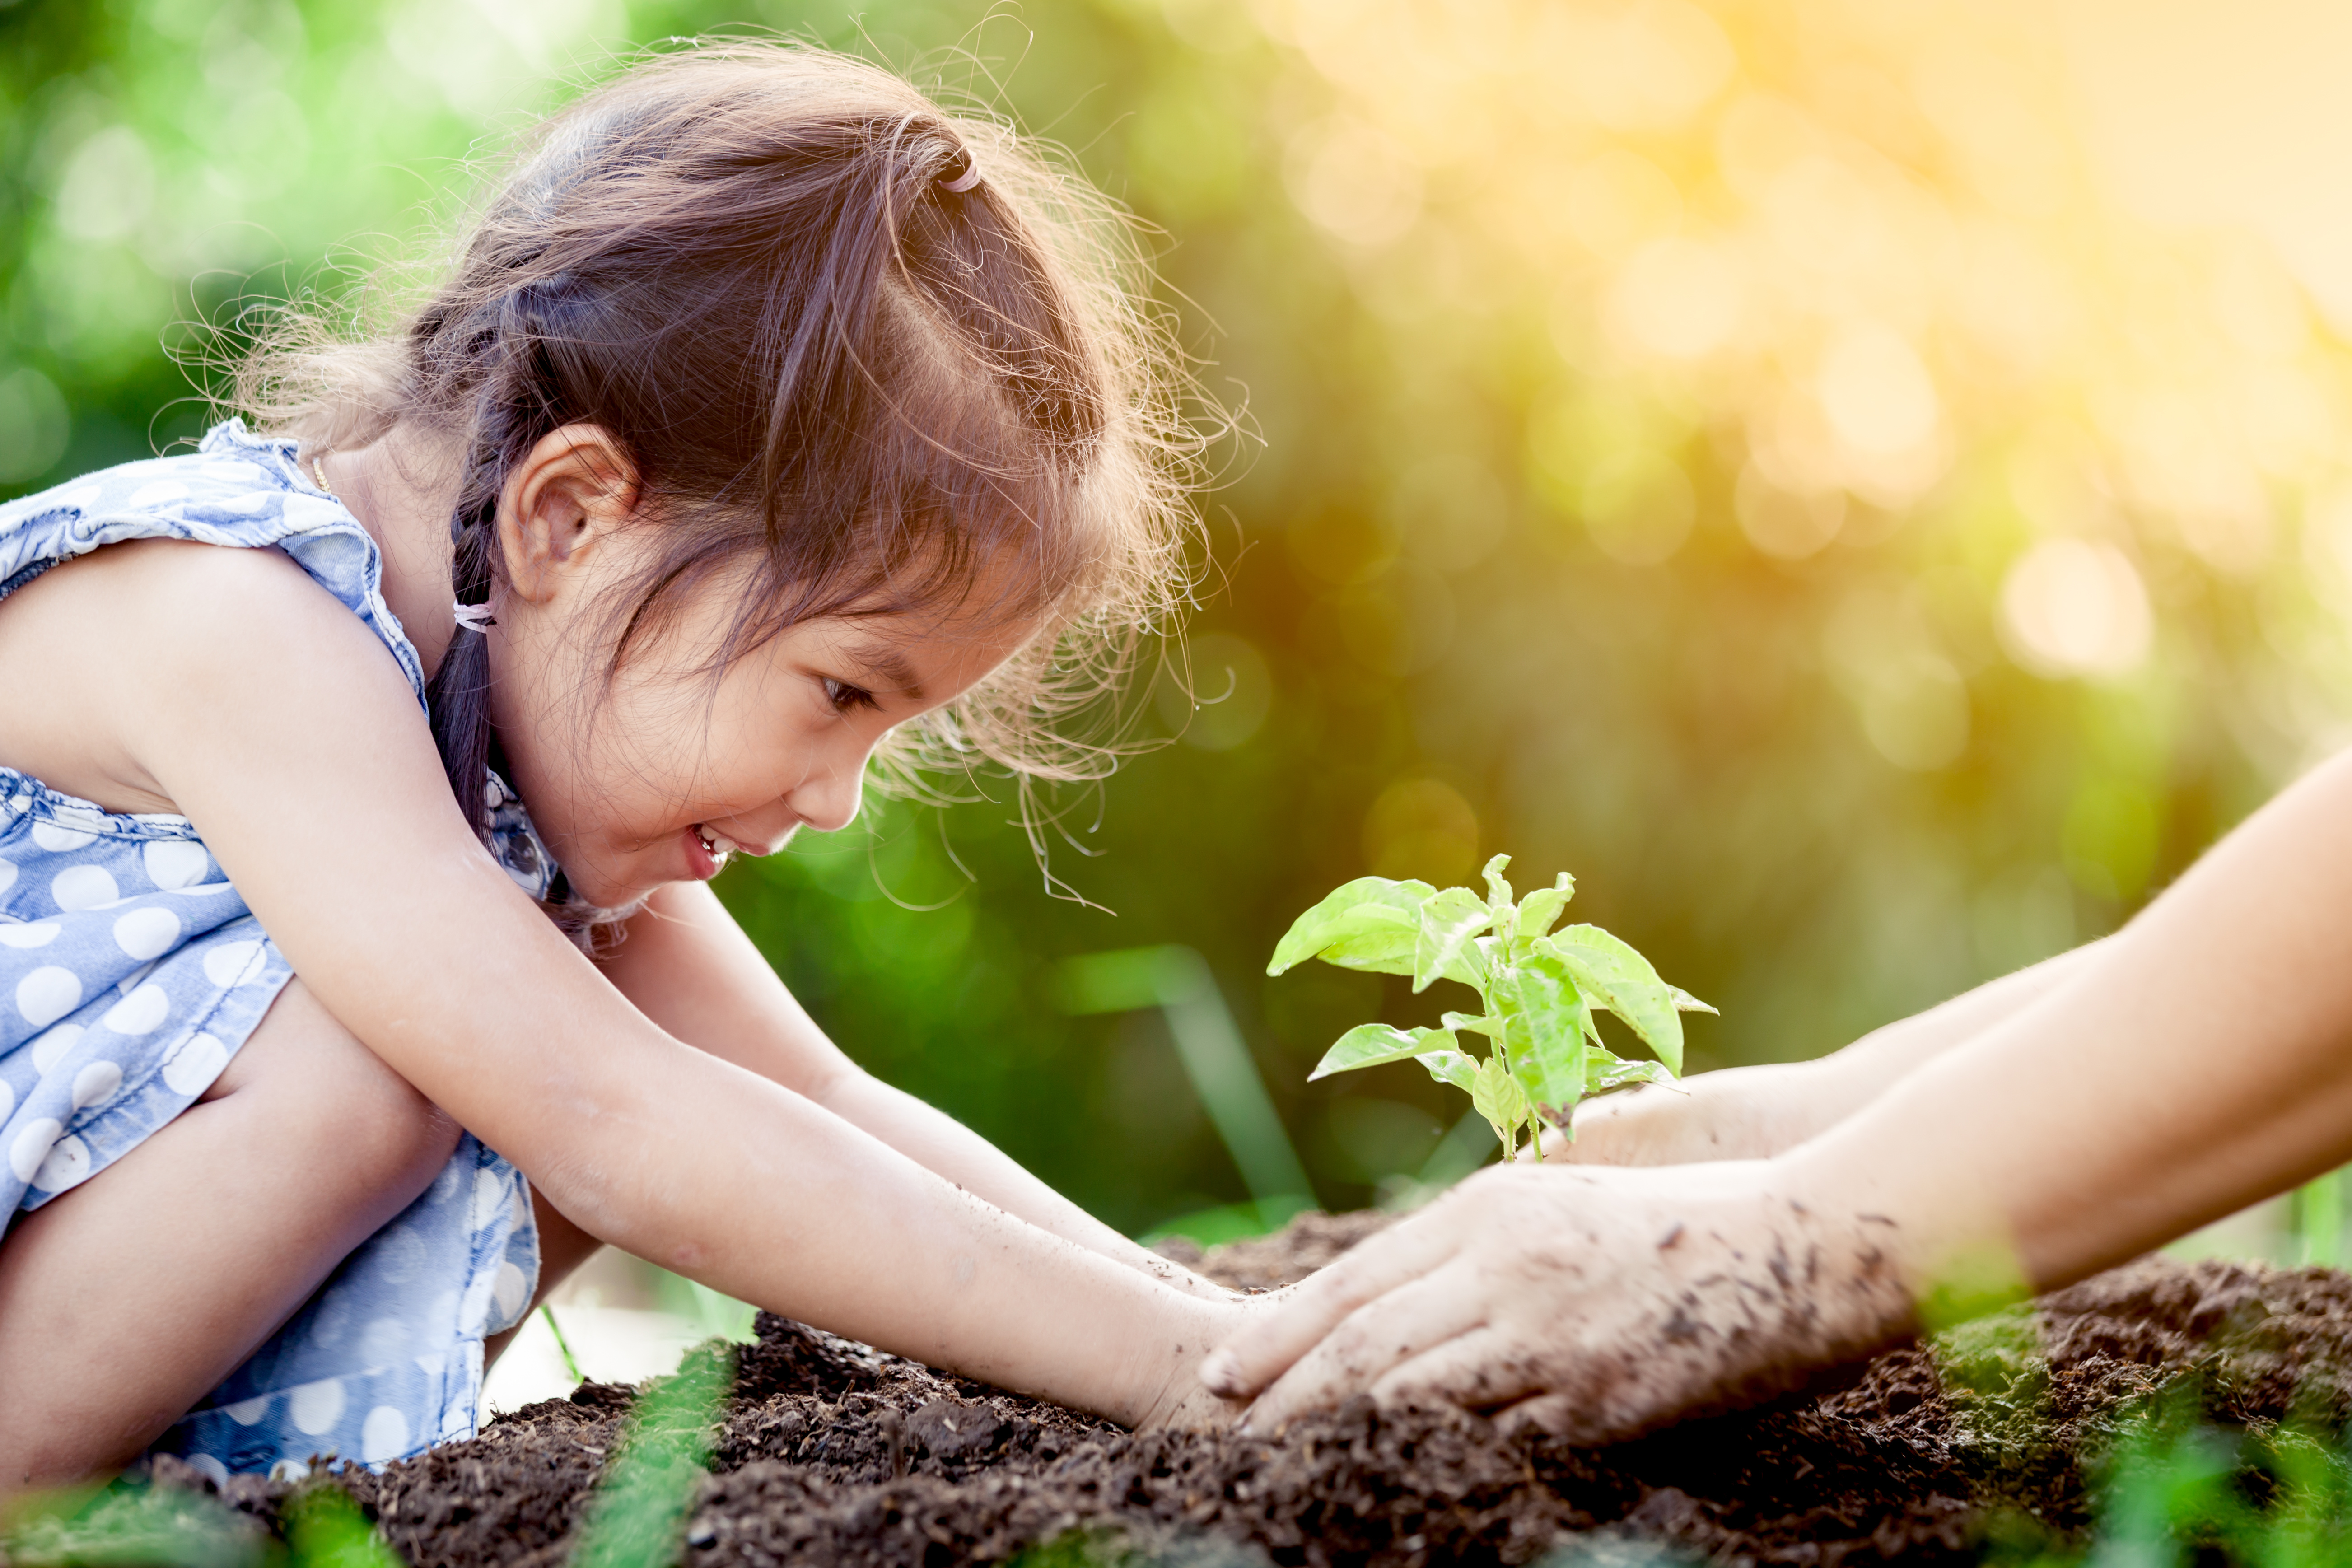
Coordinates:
[1738,454]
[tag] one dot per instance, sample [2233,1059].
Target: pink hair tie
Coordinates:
[963,182]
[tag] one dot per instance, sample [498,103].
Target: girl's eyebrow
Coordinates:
[890,667]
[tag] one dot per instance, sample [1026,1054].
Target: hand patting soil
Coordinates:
[832,1453]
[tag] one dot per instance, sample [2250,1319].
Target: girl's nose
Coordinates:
[828,801]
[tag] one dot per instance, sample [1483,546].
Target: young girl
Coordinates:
[768,410]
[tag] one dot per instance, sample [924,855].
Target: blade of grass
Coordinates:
[637,1517]
[130,1523]
[570,1364]
[326,1529]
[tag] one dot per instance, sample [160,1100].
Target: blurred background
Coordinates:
[1864,484]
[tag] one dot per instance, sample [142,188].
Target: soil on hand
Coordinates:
[832,1453]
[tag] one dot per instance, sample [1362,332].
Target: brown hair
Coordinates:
[856,343]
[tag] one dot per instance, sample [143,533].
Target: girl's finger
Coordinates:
[1269,1346]
[1373,1341]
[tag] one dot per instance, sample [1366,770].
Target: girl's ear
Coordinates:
[571,493]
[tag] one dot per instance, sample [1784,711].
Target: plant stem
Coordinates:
[571,1367]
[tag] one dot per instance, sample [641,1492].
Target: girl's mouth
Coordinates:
[705,852]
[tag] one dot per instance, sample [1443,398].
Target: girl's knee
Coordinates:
[344,1103]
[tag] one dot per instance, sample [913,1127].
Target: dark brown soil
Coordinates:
[832,1453]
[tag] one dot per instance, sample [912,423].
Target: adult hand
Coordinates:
[1595,1303]
[1734,1113]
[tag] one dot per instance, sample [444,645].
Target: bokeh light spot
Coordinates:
[1677,298]
[2075,606]
[1877,395]
[108,186]
[1786,526]
[1354,181]
[1619,199]
[1916,714]
[1648,65]
[1399,624]
[1422,828]
[1229,693]
[35,424]
[1450,511]
[1638,507]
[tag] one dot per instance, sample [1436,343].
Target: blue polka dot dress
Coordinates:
[131,972]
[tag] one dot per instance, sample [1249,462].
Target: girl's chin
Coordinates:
[595,886]
[635,877]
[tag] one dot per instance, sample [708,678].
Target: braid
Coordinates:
[458,698]
[518,402]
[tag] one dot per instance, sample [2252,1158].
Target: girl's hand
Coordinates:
[1184,1399]
[1596,1304]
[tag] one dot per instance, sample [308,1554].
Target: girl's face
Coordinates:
[667,772]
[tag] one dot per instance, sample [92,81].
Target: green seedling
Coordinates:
[1542,991]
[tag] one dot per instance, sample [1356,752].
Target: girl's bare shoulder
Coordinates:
[112,654]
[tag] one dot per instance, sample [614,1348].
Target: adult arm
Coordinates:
[1754,1112]
[689,967]
[228,684]
[2202,1061]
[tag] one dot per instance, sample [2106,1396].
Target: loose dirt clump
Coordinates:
[834,1453]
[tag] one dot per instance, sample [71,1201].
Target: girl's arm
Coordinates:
[2202,1061]
[225,684]
[689,967]
[1753,1113]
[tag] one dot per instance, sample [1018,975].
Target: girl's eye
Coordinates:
[844,696]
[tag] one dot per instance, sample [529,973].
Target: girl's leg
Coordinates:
[125,1300]
[564,1247]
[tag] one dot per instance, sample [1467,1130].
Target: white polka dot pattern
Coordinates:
[96,1084]
[175,863]
[83,887]
[47,994]
[191,1068]
[31,1146]
[318,1404]
[141,1013]
[132,971]
[150,931]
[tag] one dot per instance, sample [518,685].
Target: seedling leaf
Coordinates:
[1456,1067]
[1500,896]
[1605,1073]
[1543,1030]
[1613,976]
[1541,992]
[1369,1045]
[1371,922]
[1450,920]
[1540,909]
[1495,1094]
